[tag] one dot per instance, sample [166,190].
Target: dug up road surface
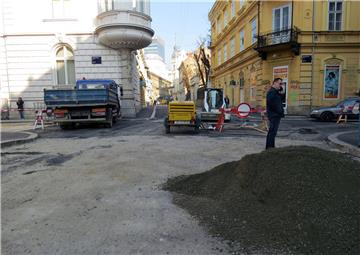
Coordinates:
[98,191]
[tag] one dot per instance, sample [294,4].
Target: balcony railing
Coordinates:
[287,38]
[278,37]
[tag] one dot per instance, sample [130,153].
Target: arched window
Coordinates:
[65,66]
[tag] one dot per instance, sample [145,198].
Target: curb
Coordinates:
[18,121]
[32,136]
[348,148]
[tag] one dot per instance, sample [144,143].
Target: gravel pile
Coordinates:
[293,200]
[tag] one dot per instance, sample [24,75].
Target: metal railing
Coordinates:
[278,37]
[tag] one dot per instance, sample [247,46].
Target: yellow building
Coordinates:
[160,86]
[313,45]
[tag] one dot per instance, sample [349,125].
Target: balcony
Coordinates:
[122,25]
[280,40]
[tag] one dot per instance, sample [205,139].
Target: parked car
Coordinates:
[333,112]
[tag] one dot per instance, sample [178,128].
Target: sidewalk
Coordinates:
[346,141]
[16,132]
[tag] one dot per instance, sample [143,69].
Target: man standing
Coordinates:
[20,105]
[274,110]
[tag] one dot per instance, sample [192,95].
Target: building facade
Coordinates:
[177,58]
[160,86]
[58,42]
[157,47]
[313,45]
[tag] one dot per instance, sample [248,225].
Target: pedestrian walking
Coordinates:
[20,105]
[274,110]
[227,102]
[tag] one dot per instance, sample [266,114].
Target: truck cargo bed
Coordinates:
[89,97]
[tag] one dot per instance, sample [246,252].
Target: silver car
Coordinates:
[333,112]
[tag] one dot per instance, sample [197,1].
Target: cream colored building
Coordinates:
[313,45]
[52,43]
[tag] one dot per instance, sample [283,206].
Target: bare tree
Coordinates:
[202,59]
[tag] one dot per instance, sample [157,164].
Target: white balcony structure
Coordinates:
[125,25]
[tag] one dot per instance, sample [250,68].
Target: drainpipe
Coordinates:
[292,14]
[258,19]
[312,55]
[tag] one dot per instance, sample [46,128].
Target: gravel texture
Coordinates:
[292,200]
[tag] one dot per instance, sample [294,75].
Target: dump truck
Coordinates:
[91,101]
[181,114]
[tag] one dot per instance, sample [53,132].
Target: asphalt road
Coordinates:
[298,128]
[95,190]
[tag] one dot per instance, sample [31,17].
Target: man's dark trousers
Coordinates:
[274,125]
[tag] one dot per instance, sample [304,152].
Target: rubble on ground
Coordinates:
[292,200]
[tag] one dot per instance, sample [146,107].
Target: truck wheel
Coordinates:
[109,118]
[109,124]
[167,129]
[66,126]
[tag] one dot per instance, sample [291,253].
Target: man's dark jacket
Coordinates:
[274,106]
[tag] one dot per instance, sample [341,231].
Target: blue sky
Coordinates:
[184,20]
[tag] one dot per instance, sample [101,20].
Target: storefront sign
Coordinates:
[96,60]
[306,59]
[332,81]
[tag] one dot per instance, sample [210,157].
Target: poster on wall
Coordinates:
[283,73]
[331,81]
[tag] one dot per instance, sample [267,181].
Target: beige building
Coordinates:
[160,86]
[313,45]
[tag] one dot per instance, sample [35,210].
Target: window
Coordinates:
[253,93]
[242,3]
[253,31]
[242,40]
[281,18]
[232,8]
[218,28]
[232,47]
[225,55]
[65,66]
[219,57]
[225,18]
[62,8]
[335,15]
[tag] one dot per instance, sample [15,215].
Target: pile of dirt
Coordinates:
[293,200]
